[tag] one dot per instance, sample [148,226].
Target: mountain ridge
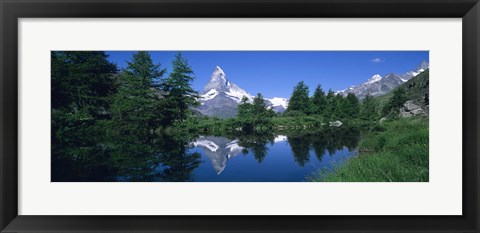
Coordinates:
[378,85]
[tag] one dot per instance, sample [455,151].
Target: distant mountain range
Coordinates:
[378,85]
[221,97]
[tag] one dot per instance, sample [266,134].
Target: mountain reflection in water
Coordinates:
[267,157]
[219,150]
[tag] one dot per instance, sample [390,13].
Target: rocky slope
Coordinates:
[378,85]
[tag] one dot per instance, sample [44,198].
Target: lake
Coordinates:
[265,157]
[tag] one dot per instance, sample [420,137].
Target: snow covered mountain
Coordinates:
[378,85]
[221,97]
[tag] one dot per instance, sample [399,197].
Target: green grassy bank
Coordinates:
[395,151]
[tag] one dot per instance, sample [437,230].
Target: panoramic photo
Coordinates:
[239,116]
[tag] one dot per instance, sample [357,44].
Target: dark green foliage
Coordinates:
[300,149]
[245,115]
[130,158]
[351,106]
[256,143]
[103,122]
[393,105]
[75,143]
[137,106]
[178,94]
[251,116]
[82,85]
[319,101]
[339,108]
[369,111]
[299,101]
[178,163]
[82,80]
[417,88]
[324,141]
[331,105]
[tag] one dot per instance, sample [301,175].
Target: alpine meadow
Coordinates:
[240,116]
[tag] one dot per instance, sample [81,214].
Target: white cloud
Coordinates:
[376,60]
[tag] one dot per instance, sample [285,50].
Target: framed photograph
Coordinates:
[252,116]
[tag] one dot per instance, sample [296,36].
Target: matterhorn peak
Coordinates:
[218,72]
[218,80]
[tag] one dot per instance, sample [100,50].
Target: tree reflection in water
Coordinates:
[128,157]
[149,157]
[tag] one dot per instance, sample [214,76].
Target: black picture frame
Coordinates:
[11,11]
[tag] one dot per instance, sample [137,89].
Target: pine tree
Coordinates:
[340,107]
[179,94]
[261,112]
[137,105]
[369,110]
[299,101]
[259,106]
[245,108]
[245,115]
[82,86]
[253,115]
[331,105]
[351,106]
[319,101]
[396,101]
[82,80]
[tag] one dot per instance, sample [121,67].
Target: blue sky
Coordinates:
[275,73]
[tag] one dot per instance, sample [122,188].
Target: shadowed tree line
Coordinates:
[330,106]
[322,142]
[104,119]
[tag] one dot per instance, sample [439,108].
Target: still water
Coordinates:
[225,160]
[267,157]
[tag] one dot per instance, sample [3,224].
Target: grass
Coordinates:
[395,151]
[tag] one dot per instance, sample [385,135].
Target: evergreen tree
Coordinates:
[138,106]
[299,101]
[330,105]
[396,101]
[245,108]
[351,106]
[253,115]
[245,115]
[179,95]
[319,101]
[369,110]
[260,108]
[340,107]
[82,80]
[82,86]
